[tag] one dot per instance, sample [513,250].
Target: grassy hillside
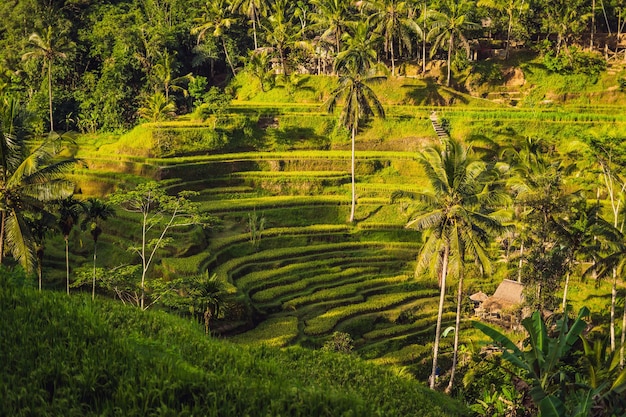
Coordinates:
[73,357]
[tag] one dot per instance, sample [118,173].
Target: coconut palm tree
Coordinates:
[40,224]
[95,210]
[69,210]
[450,23]
[49,48]
[331,16]
[361,42]
[253,9]
[360,102]
[391,18]
[457,215]
[209,298]
[30,180]
[157,108]
[280,31]
[514,10]
[216,19]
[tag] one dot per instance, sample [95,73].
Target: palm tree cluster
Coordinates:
[36,198]
[95,64]
[520,199]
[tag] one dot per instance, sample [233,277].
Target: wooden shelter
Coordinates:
[499,306]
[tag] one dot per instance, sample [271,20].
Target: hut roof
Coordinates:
[509,291]
[507,295]
[479,297]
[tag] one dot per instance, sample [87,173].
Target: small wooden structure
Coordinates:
[500,306]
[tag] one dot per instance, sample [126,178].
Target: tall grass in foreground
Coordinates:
[72,356]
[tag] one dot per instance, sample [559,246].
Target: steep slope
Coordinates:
[71,356]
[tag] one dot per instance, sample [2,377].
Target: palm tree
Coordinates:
[360,102]
[331,16]
[29,180]
[391,18]
[69,210]
[448,24]
[585,233]
[209,298]
[41,224]
[280,31]
[361,42]
[259,66]
[157,108]
[458,220]
[216,19]
[163,72]
[514,10]
[95,210]
[253,10]
[49,48]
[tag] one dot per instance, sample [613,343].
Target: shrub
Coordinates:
[339,342]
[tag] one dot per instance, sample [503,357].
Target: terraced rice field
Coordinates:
[310,273]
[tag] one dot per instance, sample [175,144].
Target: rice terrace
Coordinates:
[320,208]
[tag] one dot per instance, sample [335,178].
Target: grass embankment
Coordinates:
[72,356]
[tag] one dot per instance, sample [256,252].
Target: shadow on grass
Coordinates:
[296,137]
[433,94]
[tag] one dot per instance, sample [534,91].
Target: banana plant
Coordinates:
[542,361]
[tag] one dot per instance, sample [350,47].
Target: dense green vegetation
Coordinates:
[102,65]
[213,180]
[69,356]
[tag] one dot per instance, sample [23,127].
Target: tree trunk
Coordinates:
[393,59]
[143,261]
[352,171]
[457,328]
[2,224]
[565,290]
[442,297]
[450,45]
[621,350]
[508,35]
[424,44]
[254,30]
[50,93]
[521,260]
[232,68]
[93,284]
[67,263]
[613,301]
[593,23]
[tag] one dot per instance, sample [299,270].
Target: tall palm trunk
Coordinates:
[508,35]
[393,59]
[442,297]
[424,43]
[565,289]
[352,171]
[40,266]
[623,339]
[613,302]
[144,265]
[50,94]
[256,46]
[2,225]
[457,328]
[450,46]
[230,63]
[93,284]
[67,263]
[521,261]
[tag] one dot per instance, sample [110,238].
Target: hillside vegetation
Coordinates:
[71,356]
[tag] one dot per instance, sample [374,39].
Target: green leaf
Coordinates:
[551,406]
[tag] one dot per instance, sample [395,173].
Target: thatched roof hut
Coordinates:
[508,295]
[479,297]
